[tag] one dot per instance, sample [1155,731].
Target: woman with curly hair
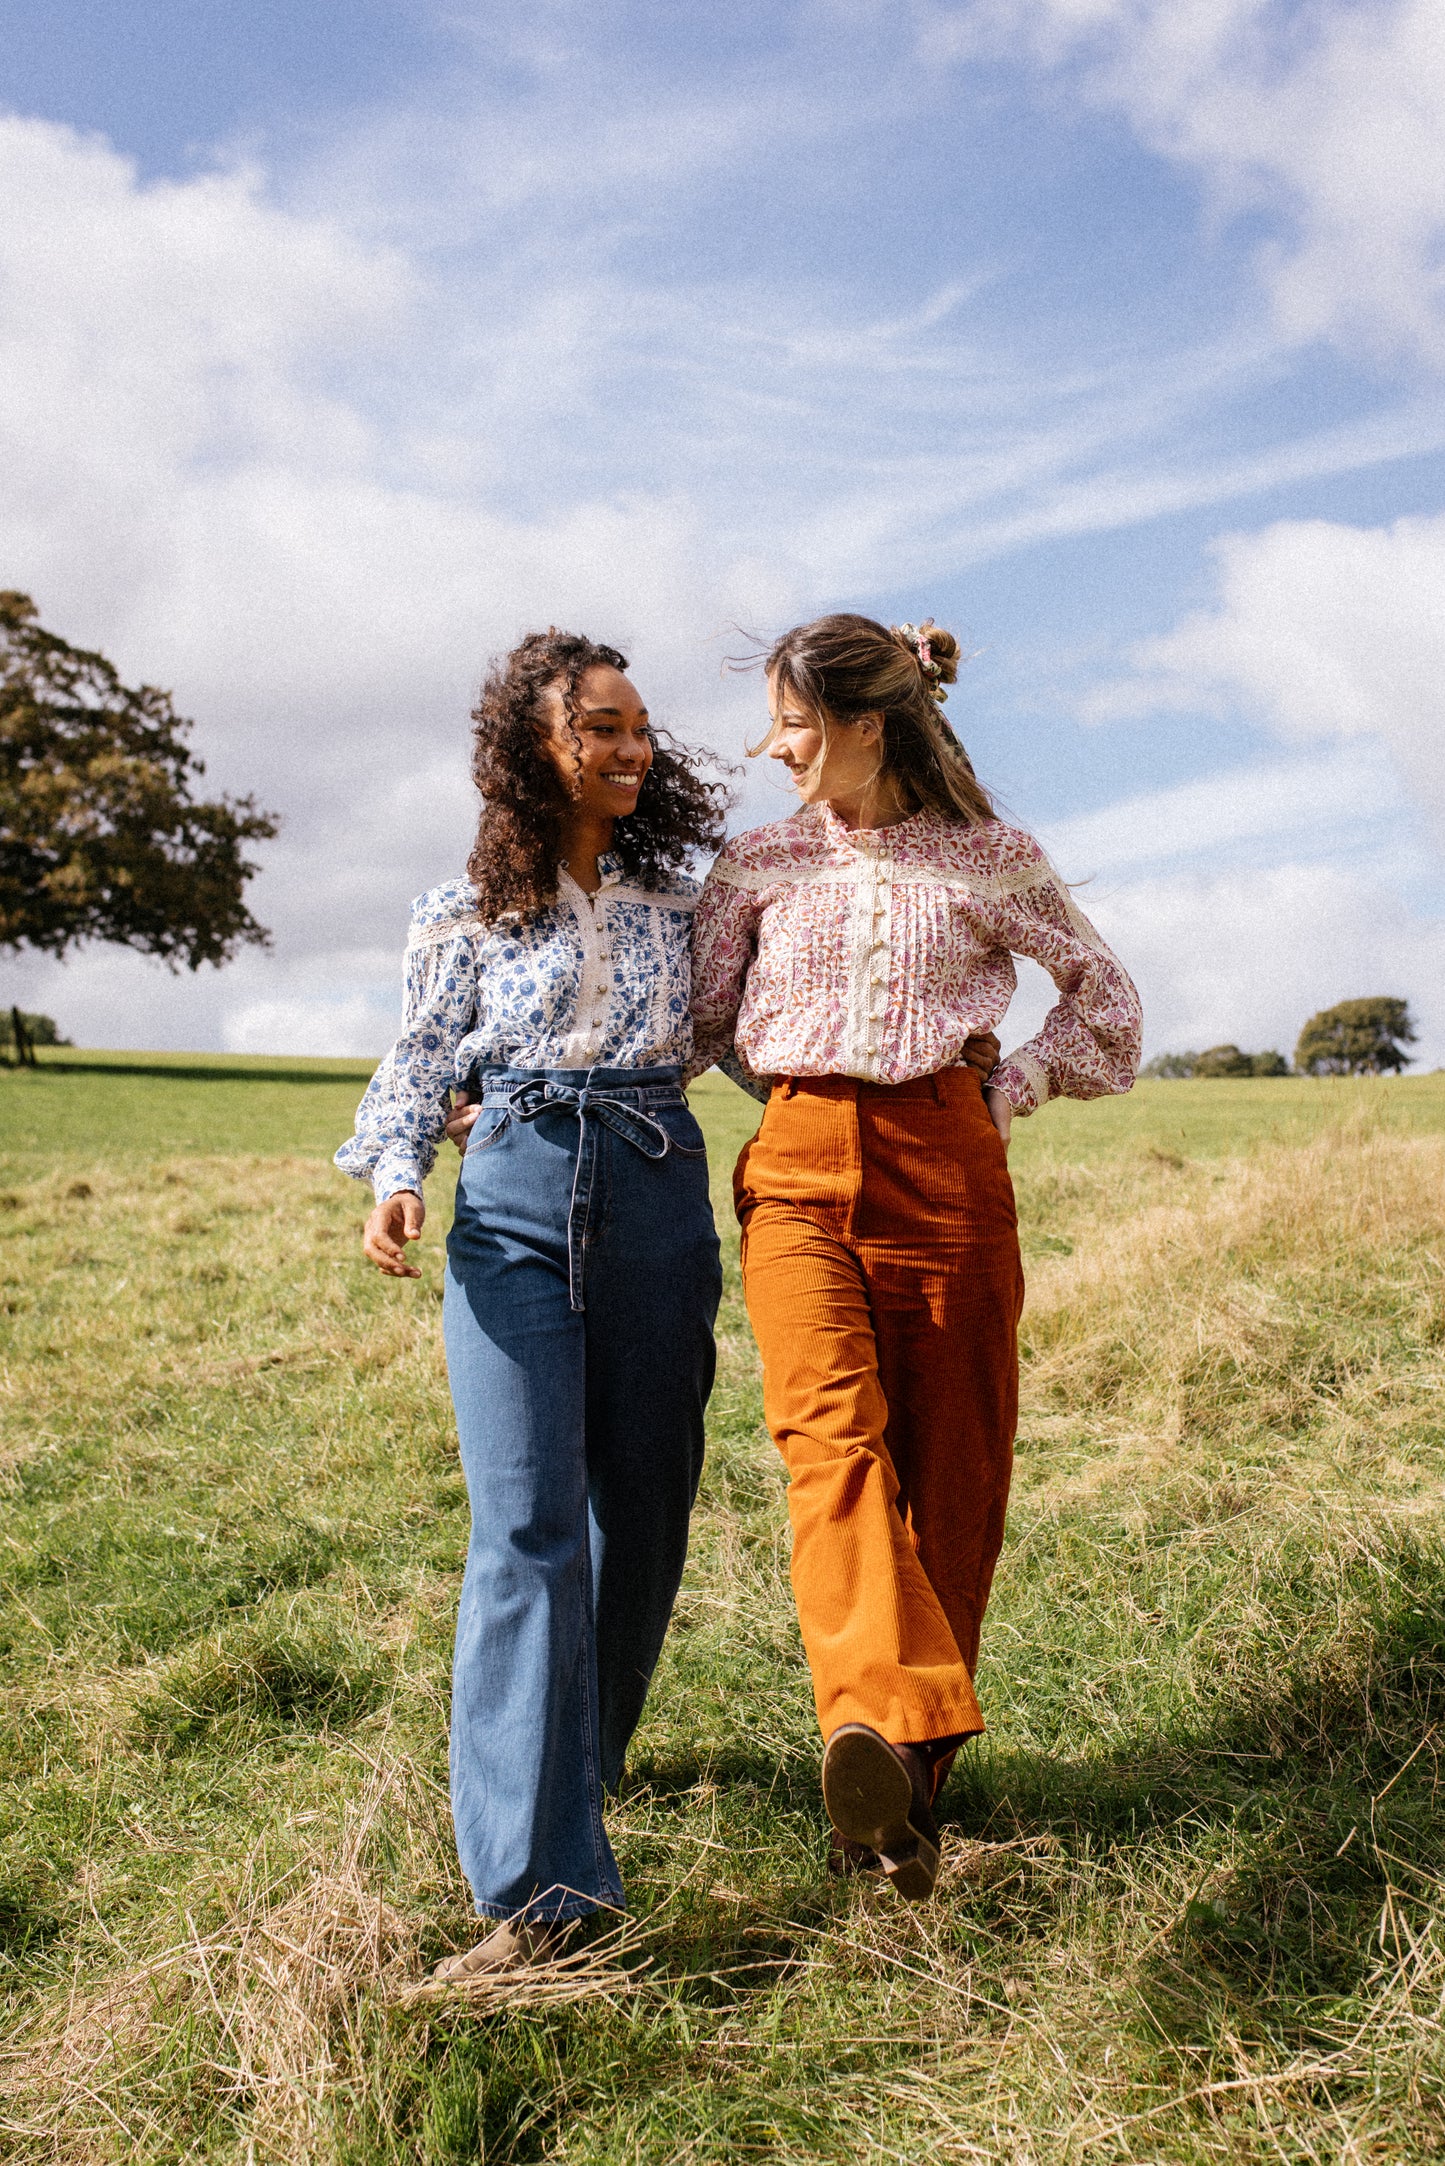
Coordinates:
[551,986]
[843,960]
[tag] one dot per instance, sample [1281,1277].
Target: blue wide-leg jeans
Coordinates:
[582,1283]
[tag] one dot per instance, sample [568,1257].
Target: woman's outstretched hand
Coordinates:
[1000,1112]
[391,1224]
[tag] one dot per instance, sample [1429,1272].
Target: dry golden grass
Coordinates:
[1297,1295]
[1191,1907]
[276,1987]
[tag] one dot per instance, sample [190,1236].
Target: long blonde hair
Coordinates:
[842,667]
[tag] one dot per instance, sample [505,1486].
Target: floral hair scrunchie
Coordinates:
[915,638]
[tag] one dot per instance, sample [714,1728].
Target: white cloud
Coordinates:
[199,473]
[340,1029]
[1328,121]
[1278,805]
[343,1000]
[1247,957]
[150,330]
[1331,637]
[1320,631]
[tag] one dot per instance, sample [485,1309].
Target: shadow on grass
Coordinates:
[1279,1816]
[1311,1792]
[1284,1814]
[169,1073]
[29,1912]
[162,1588]
[789,1783]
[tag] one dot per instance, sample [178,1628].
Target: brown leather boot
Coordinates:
[515,1944]
[845,1858]
[940,1753]
[880,1795]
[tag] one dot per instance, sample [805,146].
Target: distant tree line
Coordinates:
[1214,1061]
[1355,1037]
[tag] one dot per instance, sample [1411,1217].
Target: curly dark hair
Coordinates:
[526,801]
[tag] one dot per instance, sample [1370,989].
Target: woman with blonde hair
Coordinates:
[842,960]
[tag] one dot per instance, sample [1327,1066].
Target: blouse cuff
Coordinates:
[1024,1082]
[353,1158]
[397,1168]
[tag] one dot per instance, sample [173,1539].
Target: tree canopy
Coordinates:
[1357,1037]
[100,836]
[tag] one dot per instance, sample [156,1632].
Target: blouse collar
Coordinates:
[609,869]
[872,838]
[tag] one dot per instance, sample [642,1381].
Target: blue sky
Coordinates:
[339,345]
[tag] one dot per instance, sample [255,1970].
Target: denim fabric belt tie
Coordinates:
[630,1122]
[607,1108]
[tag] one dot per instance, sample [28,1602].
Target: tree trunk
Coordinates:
[24,1050]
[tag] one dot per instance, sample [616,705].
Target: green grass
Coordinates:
[1191,1907]
[89,1108]
[1203,1120]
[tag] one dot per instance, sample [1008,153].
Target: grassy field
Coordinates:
[1191,1907]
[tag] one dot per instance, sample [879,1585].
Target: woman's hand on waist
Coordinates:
[391,1224]
[1000,1112]
[981,1053]
[459,1120]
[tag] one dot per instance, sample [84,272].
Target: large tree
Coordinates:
[1356,1037]
[100,836]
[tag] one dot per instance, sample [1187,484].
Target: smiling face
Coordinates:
[838,764]
[605,751]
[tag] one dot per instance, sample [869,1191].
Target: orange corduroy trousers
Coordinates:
[883,1280]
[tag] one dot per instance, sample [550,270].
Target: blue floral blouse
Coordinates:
[593,981]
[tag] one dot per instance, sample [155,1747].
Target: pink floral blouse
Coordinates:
[876,952]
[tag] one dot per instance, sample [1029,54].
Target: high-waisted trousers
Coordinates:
[582,1283]
[883,1280]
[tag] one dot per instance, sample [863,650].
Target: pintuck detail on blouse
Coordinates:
[820,949]
[598,981]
